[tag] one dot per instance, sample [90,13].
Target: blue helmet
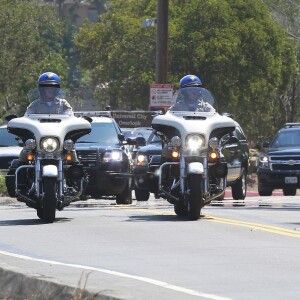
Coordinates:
[189,80]
[49,79]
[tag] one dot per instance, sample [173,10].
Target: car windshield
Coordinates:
[136,132]
[286,139]
[7,139]
[196,99]
[154,139]
[103,133]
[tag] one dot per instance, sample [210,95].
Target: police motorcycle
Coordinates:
[48,175]
[192,168]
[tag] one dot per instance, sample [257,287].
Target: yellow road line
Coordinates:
[254,226]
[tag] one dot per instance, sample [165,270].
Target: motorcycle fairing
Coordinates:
[35,125]
[185,126]
[50,171]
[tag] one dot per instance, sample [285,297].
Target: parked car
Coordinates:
[233,149]
[105,156]
[279,164]
[141,171]
[9,148]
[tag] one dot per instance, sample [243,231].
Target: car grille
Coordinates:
[89,157]
[285,163]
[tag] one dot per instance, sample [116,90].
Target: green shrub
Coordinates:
[3,190]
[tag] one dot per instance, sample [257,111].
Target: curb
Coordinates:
[18,286]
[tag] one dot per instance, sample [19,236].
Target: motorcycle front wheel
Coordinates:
[195,199]
[49,200]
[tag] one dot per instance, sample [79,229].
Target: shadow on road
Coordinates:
[31,222]
[159,218]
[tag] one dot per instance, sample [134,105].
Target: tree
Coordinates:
[233,45]
[31,37]
[120,35]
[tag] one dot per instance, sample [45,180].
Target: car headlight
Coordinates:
[264,161]
[49,144]
[141,160]
[195,141]
[113,156]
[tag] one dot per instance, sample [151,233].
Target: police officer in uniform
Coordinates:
[49,101]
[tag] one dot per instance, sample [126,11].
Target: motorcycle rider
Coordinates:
[49,101]
[194,96]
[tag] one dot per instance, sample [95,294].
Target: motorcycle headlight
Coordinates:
[175,141]
[49,144]
[113,156]
[195,141]
[68,145]
[30,144]
[264,161]
[213,143]
[141,160]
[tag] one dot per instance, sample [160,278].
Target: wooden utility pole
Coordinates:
[161,65]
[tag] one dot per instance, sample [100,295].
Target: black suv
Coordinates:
[105,156]
[279,165]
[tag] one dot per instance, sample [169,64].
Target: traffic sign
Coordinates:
[161,95]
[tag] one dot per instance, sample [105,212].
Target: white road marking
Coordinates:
[158,283]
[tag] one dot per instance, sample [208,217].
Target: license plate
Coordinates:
[291,180]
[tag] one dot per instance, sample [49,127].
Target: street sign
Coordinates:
[132,119]
[161,95]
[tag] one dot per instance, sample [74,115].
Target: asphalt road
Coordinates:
[237,250]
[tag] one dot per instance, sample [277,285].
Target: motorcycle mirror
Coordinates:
[10,117]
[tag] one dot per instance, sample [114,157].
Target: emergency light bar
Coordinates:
[93,114]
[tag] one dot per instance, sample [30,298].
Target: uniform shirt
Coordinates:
[57,106]
[197,106]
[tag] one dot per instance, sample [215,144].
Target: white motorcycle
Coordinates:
[199,148]
[47,176]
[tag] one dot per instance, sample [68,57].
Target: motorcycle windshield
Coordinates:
[48,100]
[194,99]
